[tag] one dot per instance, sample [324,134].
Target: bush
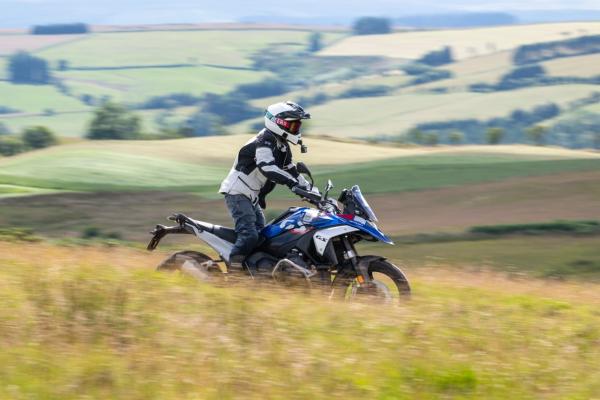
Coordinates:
[537,134]
[494,135]
[538,52]
[113,121]
[202,124]
[365,91]
[526,71]
[38,137]
[18,235]
[60,29]
[9,146]
[431,76]
[265,88]
[25,68]
[230,108]
[371,26]
[579,227]
[7,110]
[437,57]
[315,42]
[170,101]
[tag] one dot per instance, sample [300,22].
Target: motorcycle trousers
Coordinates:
[249,221]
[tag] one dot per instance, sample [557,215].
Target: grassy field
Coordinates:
[11,43]
[97,322]
[465,43]
[218,47]
[547,257]
[185,165]
[37,99]
[393,115]
[136,85]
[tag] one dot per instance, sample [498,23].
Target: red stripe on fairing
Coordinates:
[346,216]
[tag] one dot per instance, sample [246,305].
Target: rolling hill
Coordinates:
[465,43]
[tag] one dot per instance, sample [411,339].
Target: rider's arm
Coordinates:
[265,160]
[291,168]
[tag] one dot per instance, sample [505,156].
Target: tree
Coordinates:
[230,108]
[494,135]
[315,42]
[38,137]
[437,57]
[431,139]
[202,124]
[9,146]
[537,134]
[113,121]
[416,135]
[371,26]
[456,137]
[25,68]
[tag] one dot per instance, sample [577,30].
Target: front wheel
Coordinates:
[388,284]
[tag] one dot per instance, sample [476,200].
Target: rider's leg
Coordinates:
[260,218]
[244,214]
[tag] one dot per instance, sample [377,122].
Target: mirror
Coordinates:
[328,188]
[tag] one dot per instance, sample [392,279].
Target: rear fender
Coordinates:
[160,231]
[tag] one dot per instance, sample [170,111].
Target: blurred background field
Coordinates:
[473,134]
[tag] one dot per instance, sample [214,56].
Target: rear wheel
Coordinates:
[193,263]
[388,284]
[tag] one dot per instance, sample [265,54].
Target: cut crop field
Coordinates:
[583,66]
[218,47]
[465,43]
[98,322]
[393,115]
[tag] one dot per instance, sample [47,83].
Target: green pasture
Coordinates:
[137,85]
[549,256]
[143,165]
[229,48]
[427,172]
[67,124]
[37,98]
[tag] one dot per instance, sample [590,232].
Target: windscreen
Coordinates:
[362,203]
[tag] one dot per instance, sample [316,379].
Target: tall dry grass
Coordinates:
[97,322]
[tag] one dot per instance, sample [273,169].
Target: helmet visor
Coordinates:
[294,127]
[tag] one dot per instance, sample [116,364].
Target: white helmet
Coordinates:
[285,119]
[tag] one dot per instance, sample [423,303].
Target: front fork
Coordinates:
[361,270]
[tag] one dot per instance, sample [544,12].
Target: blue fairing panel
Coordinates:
[304,219]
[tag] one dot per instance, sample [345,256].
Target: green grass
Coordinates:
[159,165]
[427,172]
[136,85]
[98,322]
[37,98]
[228,48]
[542,256]
[68,125]
[91,170]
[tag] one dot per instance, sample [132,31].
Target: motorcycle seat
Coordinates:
[224,233]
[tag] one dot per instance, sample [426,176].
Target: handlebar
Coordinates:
[316,199]
[310,196]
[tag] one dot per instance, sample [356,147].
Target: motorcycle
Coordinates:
[311,245]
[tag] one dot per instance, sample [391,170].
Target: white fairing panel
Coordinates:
[323,237]
[223,247]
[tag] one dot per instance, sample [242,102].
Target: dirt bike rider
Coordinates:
[263,162]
